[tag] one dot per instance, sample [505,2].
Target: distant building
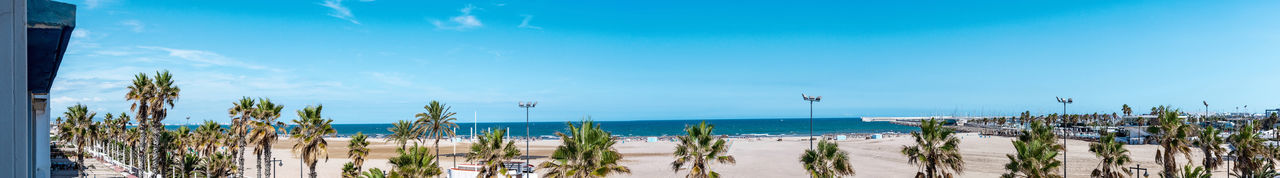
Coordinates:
[35,35]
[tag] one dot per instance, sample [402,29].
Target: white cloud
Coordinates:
[461,22]
[82,33]
[65,99]
[395,79]
[134,25]
[206,58]
[339,11]
[525,23]
[91,4]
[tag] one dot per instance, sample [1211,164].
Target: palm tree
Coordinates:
[436,123]
[374,173]
[357,149]
[1113,155]
[349,170]
[309,135]
[187,166]
[1171,133]
[219,165]
[935,146]
[265,132]
[1250,153]
[140,92]
[417,161]
[241,114]
[78,128]
[827,161]
[493,151]
[1126,110]
[698,149]
[1189,171]
[1211,144]
[1037,153]
[164,92]
[586,151]
[401,132]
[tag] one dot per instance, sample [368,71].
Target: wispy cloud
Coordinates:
[525,23]
[464,21]
[82,33]
[206,58]
[395,79]
[134,25]
[339,11]
[91,4]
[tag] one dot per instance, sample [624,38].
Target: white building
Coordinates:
[35,35]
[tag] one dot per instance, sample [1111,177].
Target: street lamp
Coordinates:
[1064,102]
[273,163]
[811,99]
[1133,170]
[526,106]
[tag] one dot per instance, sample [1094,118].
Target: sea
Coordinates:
[638,128]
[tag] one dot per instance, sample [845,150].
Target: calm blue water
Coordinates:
[790,126]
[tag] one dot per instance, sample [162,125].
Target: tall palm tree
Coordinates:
[140,92]
[1249,150]
[241,113]
[1211,144]
[1171,133]
[358,149]
[493,151]
[585,152]
[417,161]
[309,136]
[1113,155]
[827,161]
[164,93]
[265,132]
[77,127]
[937,150]
[401,132]
[1037,153]
[436,123]
[699,148]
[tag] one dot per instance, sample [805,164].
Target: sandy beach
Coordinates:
[763,157]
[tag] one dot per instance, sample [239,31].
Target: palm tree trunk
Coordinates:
[312,167]
[259,165]
[267,152]
[437,145]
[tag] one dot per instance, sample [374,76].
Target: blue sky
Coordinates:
[380,61]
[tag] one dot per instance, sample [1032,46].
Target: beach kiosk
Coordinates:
[514,170]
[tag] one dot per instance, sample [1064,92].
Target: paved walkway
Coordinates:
[95,167]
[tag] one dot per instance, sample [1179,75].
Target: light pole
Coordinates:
[273,163]
[811,99]
[526,106]
[1134,170]
[1064,102]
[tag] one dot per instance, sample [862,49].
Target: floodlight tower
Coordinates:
[526,106]
[811,100]
[1064,102]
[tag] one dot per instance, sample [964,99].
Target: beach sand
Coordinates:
[763,157]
